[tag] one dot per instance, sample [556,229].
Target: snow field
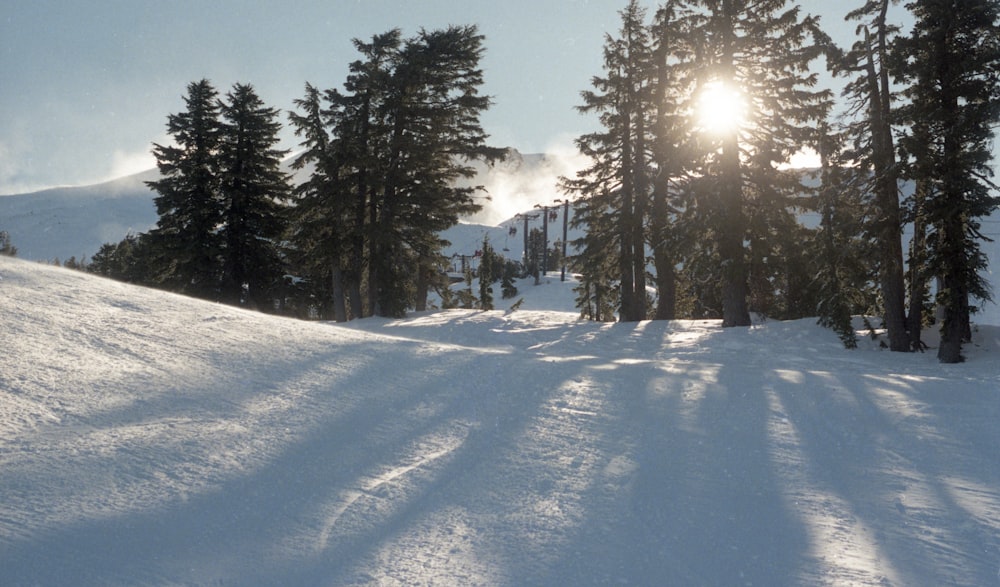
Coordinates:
[150,439]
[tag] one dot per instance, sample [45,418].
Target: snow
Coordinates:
[151,439]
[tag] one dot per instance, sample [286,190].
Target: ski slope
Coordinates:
[151,439]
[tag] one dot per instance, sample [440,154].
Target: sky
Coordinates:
[87,86]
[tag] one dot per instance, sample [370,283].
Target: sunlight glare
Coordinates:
[721,108]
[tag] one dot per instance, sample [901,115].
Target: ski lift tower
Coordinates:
[526,218]
[565,205]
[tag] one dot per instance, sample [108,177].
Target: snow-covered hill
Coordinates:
[66,222]
[151,439]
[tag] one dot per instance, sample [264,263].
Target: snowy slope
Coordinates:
[150,439]
[76,221]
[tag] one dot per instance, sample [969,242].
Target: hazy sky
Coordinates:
[85,87]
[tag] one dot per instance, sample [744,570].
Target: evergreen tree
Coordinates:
[130,260]
[254,192]
[386,152]
[951,61]
[359,126]
[838,251]
[186,242]
[6,248]
[618,183]
[597,296]
[487,274]
[871,96]
[431,113]
[760,53]
[670,51]
[322,217]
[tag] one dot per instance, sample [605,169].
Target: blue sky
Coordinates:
[87,86]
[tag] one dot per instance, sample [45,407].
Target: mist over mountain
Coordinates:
[65,222]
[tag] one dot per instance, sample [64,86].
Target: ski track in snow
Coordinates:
[149,439]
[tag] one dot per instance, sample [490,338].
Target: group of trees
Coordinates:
[707,198]
[385,153]
[700,207]
[358,237]
[221,200]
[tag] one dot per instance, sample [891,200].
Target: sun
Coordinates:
[721,109]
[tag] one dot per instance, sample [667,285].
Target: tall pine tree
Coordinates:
[254,193]
[431,113]
[386,152]
[951,61]
[618,183]
[874,155]
[759,53]
[185,244]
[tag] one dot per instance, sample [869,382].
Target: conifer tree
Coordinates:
[669,86]
[951,62]
[431,113]
[255,192]
[597,298]
[186,244]
[487,275]
[871,97]
[359,124]
[6,248]
[402,130]
[759,52]
[129,260]
[323,215]
[618,183]
[838,252]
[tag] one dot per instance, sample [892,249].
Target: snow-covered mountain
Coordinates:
[76,221]
[152,439]
[68,222]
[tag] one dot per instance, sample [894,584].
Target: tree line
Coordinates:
[705,214]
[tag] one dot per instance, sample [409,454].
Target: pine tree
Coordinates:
[487,275]
[669,86]
[322,216]
[387,150]
[359,126]
[871,97]
[254,192]
[838,250]
[597,298]
[951,62]
[129,260]
[186,244]
[432,114]
[620,175]
[759,52]
[6,248]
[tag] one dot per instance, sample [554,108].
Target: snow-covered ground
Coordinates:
[151,439]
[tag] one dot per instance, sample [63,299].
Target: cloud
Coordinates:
[12,172]
[124,163]
[522,181]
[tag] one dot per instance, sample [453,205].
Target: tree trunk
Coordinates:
[731,235]
[732,229]
[337,285]
[889,222]
[918,269]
